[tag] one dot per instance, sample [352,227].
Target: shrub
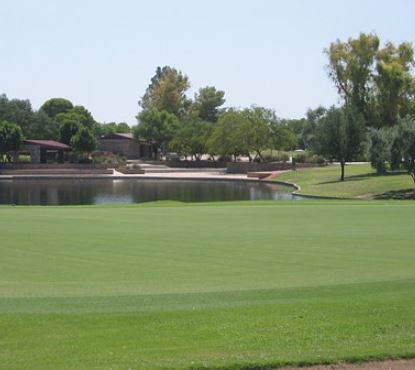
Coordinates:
[100,157]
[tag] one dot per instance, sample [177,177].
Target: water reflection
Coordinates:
[107,191]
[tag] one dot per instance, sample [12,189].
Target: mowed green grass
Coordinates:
[224,285]
[361,182]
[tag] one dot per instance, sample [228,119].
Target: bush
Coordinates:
[309,157]
[300,158]
[277,157]
[99,157]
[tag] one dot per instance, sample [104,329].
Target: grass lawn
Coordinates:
[206,285]
[361,182]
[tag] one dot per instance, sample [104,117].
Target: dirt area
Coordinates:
[381,365]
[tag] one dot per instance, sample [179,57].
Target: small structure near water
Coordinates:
[124,144]
[41,151]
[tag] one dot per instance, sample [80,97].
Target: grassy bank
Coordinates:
[361,182]
[235,285]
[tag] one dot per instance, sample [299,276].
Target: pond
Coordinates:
[126,191]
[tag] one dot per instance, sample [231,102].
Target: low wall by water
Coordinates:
[188,164]
[51,166]
[245,167]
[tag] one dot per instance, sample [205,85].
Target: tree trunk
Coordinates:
[259,156]
[412,173]
[342,164]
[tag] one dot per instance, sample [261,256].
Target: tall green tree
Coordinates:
[378,82]
[340,136]
[207,103]
[10,139]
[167,92]
[42,127]
[256,130]
[190,138]
[157,127]
[84,141]
[17,111]
[282,136]
[228,137]
[351,67]
[380,142]
[308,134]
[85,116]
[405,137]
[395,84]
[54,106]
[68,129]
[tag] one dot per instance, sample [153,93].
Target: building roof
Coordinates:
[118,135]
[47,144]
[121,136]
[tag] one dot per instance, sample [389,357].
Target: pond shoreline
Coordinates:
[68,189]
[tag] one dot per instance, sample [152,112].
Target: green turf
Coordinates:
[361,182]
[212,285]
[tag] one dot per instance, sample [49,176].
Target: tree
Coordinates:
[42,127]
[282,136]
[377,82]
[104,129]
[256,130]
[351,66]
[228,135]
[340,136]
[296,126]
[207,102]
[68,129]
[10,138]
[85,116]
[406,135]
[54,106]
[380,148]
[190,138]
[123,128]
[394,82]
[84,141]
[167,91]
[17,111]
[156,127]
[313,118]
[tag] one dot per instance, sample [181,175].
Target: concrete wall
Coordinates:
[33,150]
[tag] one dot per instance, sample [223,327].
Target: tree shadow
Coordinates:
[397,194]
[363,177]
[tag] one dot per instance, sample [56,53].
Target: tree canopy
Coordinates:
[375,81]
[10,138]
[340,136]
[156,127]
[167,91]
[207,102]
[54,106]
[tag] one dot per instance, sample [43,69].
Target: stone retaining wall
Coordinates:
[188,164]
[52,166]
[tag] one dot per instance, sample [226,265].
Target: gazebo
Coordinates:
[43,150]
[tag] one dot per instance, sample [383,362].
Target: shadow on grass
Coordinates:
[397,194]
[363,177]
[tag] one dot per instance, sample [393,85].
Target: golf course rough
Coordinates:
[219,285]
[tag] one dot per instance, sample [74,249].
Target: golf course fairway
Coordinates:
[217,285]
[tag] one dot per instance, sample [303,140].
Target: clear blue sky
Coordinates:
[102,54]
